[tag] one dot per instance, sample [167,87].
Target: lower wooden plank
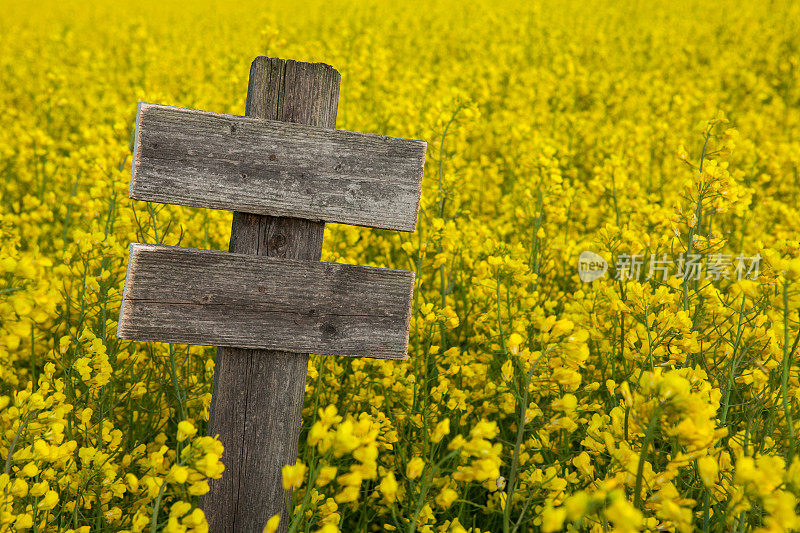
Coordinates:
[190,296]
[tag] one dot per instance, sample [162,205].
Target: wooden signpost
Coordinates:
[284,171]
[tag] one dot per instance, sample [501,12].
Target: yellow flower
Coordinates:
[29,470]
[49,500]
[38,489]
[414,468]
[272,524]
[388,487]
[345,440]
[624,515]
[562,327]
[178,474]
[199,488]
[583,462]
[41,449]
[514,342]
[196,519]
[576,505]
[326,474]
[23,521]
[553,519]
[186,430]
[19,488]
[446,497]
[132,482]
[707,467]
[507,370]
[293,475]
[484,430]
[348,494]
[441,429]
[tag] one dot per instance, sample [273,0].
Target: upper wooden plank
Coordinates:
[203,159]
[190,296]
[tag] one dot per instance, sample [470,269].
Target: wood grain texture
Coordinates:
[202,297]
[203,159]
[257,402]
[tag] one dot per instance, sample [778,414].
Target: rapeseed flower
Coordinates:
[661,396]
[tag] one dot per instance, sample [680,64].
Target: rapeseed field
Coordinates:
[607,308]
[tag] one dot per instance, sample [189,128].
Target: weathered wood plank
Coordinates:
[203,159]
[189,296]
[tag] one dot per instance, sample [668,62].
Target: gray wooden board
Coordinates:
[212,298]
[269,167]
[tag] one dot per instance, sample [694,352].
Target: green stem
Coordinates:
[648,439]
[512,476]
[787,362]
[156,505]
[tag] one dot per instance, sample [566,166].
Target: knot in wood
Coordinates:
[328,331]
[277,242]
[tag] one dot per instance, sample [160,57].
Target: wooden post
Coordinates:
[257,400]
